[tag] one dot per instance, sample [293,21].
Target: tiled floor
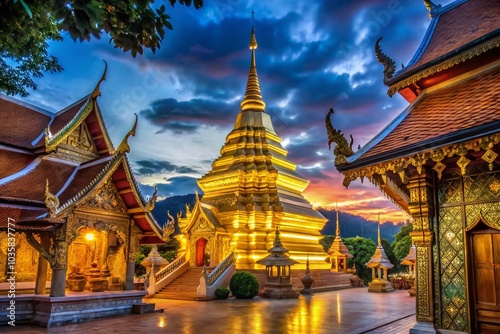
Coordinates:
[349,311]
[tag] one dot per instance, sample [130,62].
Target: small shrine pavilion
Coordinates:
[278,263]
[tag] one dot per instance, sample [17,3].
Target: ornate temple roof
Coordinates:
[337,247]
[470,28]
[278,256]
[253,168]
[462,110]
[70,155]
[451,84]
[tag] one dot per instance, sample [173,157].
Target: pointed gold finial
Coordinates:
[432,8]
[96,92]
[169,227]
[379,240]
[337,229]
[253,97]
[150,205]
[196,195]
[389,65]
[124,147]
[51,200]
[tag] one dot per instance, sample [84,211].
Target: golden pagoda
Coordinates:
[379,263]
[338,251]
[252,189]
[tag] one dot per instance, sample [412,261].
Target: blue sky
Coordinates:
[312,55]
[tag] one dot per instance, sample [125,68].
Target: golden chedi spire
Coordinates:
[253,97]
[337,228]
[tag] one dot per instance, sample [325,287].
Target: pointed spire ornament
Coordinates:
[379,240]
[253,97]
[307,280]
[389,65]
[124,147]
[337,229]
[96,93]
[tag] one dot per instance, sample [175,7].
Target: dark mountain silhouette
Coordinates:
[350,225]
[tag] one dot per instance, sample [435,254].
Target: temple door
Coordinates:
[485,244]
[200,251]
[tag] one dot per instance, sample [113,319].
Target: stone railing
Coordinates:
[167,274]
[171,267]
[220,269]
[218,278]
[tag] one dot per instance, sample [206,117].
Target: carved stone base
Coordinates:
[380,286]
[76,307]
[273,292]
[422,328]
[412,292]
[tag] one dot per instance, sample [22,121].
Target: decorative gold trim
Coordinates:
[96,93]
[439,168]
[419,159]
[150,205]
[489,156]
[432,8]
[478,50]
[481,218]
[495,186]
[462,163]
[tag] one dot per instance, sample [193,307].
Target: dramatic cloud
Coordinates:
[149,167]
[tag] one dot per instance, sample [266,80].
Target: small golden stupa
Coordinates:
[379,263]
[338,251]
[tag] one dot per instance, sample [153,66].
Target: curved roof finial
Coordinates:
[389,65]
[124,147]
[96,92]
[150,205]
[51,200]
[253,97]
[432,8]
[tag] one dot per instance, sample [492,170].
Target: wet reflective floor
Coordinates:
[344,311]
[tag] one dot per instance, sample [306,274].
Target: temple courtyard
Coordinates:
[343,311]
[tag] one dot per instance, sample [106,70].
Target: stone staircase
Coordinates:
[183,287]
[324,280]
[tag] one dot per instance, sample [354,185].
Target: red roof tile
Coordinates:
[31,186]
[82,178]
[464,105]
[459,26]
[18,214]
[20,125]
[12,162]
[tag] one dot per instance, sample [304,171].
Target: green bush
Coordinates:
[222,293]
[244,285]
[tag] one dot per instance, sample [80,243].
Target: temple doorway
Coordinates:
[202,252]
[485,271]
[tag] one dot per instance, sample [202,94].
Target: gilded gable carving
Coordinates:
[80,138]
[106,198]
[202,225]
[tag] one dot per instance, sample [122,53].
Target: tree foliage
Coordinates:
[402,242]
[168,251]
[26,27]
[362,250]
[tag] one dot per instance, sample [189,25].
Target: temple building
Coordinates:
[338,251]
[252,189]
[70,208]
[438,160]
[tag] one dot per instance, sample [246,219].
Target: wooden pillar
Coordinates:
[421,210]
[60,263]
[41,273]
[134,237]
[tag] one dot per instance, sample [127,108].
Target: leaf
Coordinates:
[26,8]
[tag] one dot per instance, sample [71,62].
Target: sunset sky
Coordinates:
[312,55]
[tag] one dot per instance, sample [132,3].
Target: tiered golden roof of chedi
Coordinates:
[254,187]
[51,164]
